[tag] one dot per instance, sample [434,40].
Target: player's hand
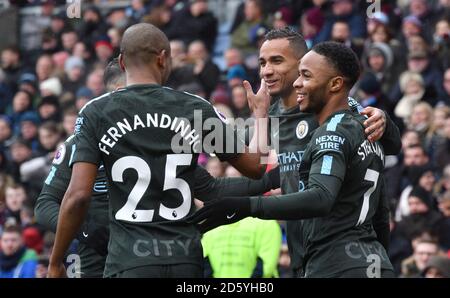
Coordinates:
[219,212]
[258,103]
[375,124]
[56,271]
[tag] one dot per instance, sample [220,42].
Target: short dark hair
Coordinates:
[415,146]
[296,40]
[113,74]
[342,58]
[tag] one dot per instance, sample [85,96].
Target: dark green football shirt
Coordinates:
[135,132]
[341,171]
[295,131]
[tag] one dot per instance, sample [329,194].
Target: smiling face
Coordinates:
[312,85]
[278,66]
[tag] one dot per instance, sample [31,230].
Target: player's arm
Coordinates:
[380,127]
[85,158]
[327,172]
[73,211]
[381,218]
[55,185]
[47,209]
[209,188]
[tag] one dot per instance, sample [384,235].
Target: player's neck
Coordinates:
[332,106]
[138,77]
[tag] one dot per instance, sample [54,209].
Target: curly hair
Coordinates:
[342,58]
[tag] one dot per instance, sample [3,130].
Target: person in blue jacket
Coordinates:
[16,260]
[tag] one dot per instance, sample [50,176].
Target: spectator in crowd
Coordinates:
[69,39]
[44,67]
[21,104]
[73,77]
[420,62]
[343,10]
[379,60]
[20,151]
[340,32]
[421,120]
[194,22]
[29,124]
[422,216]
[369,92]
[11,66]
[92,26]
[419,176]
[241,37]
[239,102]
[311,23]
[424,249]
[28,82]
[136,10]
[95,82]
[16,261]
[414,155]
[103,51]
[413,89]
[437,267]
[204,69]
[15,197]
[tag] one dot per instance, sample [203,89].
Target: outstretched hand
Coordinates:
[375,124]
[219,212]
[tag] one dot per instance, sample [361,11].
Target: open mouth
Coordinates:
[300,97]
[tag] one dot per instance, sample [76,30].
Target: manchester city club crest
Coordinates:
[302,129]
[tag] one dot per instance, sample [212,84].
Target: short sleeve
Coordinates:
[85,140]
[330,153]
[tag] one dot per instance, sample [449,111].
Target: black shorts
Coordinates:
[362,273]
[163,271]
[92,264]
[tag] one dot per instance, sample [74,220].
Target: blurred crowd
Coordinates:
[58,66]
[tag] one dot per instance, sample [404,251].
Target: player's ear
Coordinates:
[162,59]
[336,84]
[121,63]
